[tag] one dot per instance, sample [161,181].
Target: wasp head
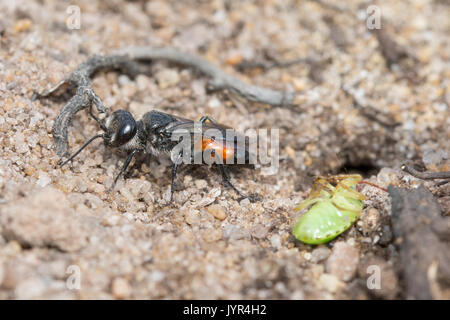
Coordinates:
[120,128]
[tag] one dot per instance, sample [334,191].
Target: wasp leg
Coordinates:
[102,125]
[125,166]
[203,119]
[227,180]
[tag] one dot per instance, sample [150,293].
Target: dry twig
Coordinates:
[427,175]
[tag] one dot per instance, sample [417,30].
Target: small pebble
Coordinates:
[432,158]
[297,295]
[200,184]
[111,221]
[370,220]
[167,78]
[275,241]
[234,59]
[129,90]
[120,288]
[320,254]
[330,282]
[234,232]
[123,80]
[388,176]
[157,276]
[214,103]
[31,288]
[19,143]
[212,235]
[43,180]
[244,202]
[217,211]
[343,261]
[158,9]
[259,231]
[22,25]
[142,82]
[192,218]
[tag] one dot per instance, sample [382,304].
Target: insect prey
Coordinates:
[334,205]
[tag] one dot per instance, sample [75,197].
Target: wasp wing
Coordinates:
[220,140]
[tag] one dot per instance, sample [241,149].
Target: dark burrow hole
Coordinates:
[365,168]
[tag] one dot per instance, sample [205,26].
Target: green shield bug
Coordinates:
[334,205]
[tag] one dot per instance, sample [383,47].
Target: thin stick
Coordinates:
[219,80]
[427,175]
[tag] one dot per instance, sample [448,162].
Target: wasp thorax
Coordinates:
[121,128]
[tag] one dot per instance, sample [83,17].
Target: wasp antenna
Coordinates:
[81,149]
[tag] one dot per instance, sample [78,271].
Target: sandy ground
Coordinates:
[357,115]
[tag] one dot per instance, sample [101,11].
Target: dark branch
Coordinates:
[219,80]
[427,175]
[85,95]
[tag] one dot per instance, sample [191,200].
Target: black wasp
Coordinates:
[153,134]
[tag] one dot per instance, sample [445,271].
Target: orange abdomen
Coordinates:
[217,148]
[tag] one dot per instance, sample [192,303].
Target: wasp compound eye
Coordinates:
[121,128]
